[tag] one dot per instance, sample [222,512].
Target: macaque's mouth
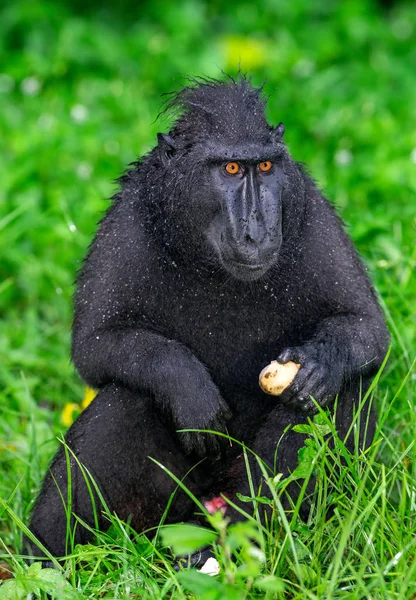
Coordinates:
[248,266]
[246,271]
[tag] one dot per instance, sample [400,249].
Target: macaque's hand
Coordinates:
[318,378]
[187,391]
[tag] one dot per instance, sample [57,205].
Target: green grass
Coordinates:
[80,89]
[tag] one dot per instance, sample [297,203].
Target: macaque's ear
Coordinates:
[167,147]
[278,132]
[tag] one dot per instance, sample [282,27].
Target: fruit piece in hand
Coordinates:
[275,378]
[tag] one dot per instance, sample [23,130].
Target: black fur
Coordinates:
[195,281]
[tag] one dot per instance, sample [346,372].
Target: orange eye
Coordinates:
[265,166]
[233,168]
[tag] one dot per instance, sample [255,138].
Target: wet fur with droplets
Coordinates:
[194,282]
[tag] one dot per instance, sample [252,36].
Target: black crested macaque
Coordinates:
[218,255]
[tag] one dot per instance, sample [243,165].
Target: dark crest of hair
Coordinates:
[232,109]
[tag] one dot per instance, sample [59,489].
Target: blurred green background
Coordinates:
[80,90]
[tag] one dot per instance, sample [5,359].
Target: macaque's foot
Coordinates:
[196,560]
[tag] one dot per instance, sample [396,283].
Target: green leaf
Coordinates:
[36,580]
[259,499]
[306,456]
[264,500]
[184,538]
[320,418]
[308,574]
[34,569]
[302,428]
[244,498]
[50,580]
[12,590]
[270,583]
[208,588]
[199,583]
[242,533]
[323,429]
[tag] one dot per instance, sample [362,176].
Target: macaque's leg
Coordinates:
[285,459]
[113,439]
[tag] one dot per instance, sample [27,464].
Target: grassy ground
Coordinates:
[79,92]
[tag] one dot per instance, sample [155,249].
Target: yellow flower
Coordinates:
[70,411]
[5,446]
[89,396]
[245,53]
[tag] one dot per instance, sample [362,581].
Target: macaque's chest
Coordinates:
[234,335]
